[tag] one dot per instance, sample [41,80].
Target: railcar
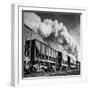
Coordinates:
[40,57]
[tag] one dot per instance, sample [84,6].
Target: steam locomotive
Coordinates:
[40,57]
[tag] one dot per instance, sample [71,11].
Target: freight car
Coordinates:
[40,57]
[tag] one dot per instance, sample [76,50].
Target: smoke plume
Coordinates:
[50,30]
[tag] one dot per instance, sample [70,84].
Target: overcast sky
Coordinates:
[71,21]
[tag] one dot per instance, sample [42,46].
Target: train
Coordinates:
[40,57]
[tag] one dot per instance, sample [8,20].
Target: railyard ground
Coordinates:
[57,73]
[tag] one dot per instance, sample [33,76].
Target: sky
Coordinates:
[71,21]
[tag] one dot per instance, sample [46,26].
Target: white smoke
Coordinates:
[46,29]
[49,27]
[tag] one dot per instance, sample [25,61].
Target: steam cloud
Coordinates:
[51,30]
